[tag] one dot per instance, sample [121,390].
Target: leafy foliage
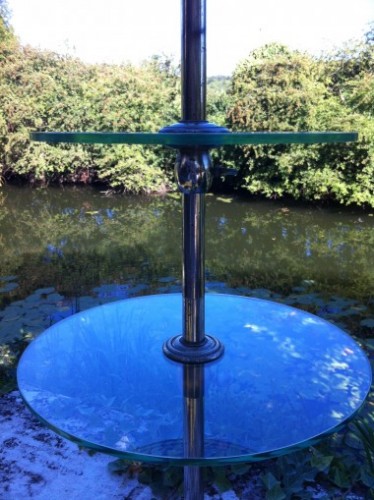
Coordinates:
[282,90]
[44,91]
[4,12]
[218,99]
[275,88]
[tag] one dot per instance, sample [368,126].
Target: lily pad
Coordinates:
[45,291]
[32,315]
[16,303]
[55,297]
[31,299]
[10,331]
[109,292]
[138,288]
[309,299]
[261,293]
[342,302]
[167,279]
[8,287]
[169,289]
[47,309]
[8,278]
[215,285]
[290,300]
[36,322]
[11,312]
[368,322]
[87,302]
[62,314]
[243,290]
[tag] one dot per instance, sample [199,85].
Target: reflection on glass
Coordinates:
[193,432]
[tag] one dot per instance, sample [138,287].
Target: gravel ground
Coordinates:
[37,463]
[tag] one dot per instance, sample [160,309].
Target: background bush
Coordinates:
[276,89]
[44,91]
[273,89]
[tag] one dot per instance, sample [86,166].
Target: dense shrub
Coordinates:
[44,91]
[276,89]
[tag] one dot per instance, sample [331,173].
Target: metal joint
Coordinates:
[206,351]
[193,171]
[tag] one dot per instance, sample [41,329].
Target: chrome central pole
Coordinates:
[193,172]
[193,60]
[193,230]
[193,389]
[193,268]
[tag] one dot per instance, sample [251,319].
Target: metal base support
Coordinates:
[179,350]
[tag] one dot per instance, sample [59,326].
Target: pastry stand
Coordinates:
[142,380]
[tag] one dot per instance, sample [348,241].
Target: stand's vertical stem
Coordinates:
[193,60]
[193,232]
[193,387]
[193,109]
[193,174]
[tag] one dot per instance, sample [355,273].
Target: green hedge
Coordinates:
[279,89]
[44,91]
[273,89]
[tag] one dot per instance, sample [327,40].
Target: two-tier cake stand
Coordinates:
[189,379]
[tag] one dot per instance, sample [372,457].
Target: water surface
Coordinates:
[63,250]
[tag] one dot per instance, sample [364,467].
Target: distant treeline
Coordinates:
[274,89]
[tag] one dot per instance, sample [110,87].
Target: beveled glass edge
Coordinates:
[194,139]
[204,461]
[197,461]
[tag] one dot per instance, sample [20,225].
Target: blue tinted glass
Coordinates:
[286,377]
[194,139]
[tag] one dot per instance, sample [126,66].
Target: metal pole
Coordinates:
[193,60]
[193,386]
[193,235]
[193,172]
[193,242]
[193,109]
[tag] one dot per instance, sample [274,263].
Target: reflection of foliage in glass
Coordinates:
[91,241]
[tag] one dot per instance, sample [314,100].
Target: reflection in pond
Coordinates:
[66,250]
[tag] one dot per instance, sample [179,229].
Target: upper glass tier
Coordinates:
[286,379]
[180,140]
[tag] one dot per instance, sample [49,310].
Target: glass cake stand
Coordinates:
[194,380]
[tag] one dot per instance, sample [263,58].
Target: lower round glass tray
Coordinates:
[286,379]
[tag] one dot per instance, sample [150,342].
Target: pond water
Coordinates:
[64,250]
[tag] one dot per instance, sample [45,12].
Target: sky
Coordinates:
[120,31]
